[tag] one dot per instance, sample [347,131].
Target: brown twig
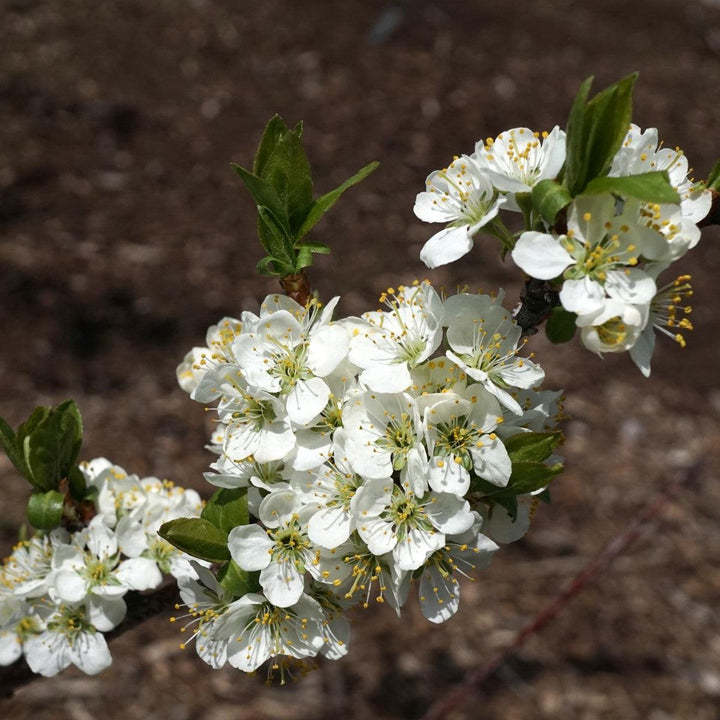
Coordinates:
[297,287]
[139,609]
[457,696]
[537,301]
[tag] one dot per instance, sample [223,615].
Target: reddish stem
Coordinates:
[297,287]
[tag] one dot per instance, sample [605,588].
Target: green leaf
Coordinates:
[237,581]
[532,446]
[608,117]
[287,170]
[713,181]
[227,508]
[45,509]
[12,450]
[77,483]
[272,267]
[509,503]
[550,198]
[304,254]
[574,156]
[530,476]
[38,415]
[560,326]
[596,130]
[273,133]
[304,259]
[273,237]
[652,187]
[197,537]
[73,424]
[52,447]
[325,202]
[316,247]
[91,495]
[526,478]
[264,195]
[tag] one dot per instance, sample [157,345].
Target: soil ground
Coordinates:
[124,235]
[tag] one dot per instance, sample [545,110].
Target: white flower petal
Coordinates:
[631,285]
[273,442]
[10,648]
[105,613]
[377,535]
[282,583]
[330,527]
[583,297]
[139,574]
[131,537]
[70,586]
[450,514]
[336,633]
[90,653]
[540,255]
[250,547]
[101,539]
[428,209]
[447,246]
[47,654]
[389,378]
[642,351]
[371,498]
[491,461]
[439,595]
[416,547]
[327,348]
[312,449]
[447,476]
[499,526]
[307,400]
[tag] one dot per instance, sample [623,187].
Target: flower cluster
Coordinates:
[377,450]
[604,259]
[60,591]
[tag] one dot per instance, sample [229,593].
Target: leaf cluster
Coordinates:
[282,187]
[596,128]
[44,450]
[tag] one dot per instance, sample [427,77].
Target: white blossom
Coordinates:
[484,343]
[390,344]
[641,152]
[459,429]
[290,353]
[517,159]
[597,257]
[70,639]
[257,630]
[461,195]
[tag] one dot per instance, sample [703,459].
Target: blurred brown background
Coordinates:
[124,234]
